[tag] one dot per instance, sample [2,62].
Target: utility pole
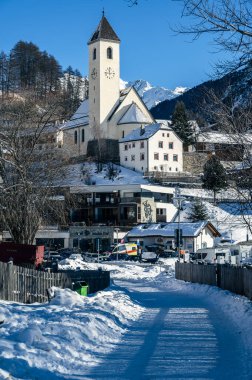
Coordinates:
[177,201]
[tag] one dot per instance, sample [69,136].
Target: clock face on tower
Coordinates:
[109,73]
[94,73]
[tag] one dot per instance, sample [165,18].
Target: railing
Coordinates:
[130,200]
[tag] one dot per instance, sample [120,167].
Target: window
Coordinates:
[161,168]
[168,135]
[132,157]
[170,145]
[125,147]
[129,146]
[165,157]
[141,156]
[133,145]
[142,144]
[122,134]
[82,135]
[94,100]
[156,156]
[109,53]
[163,134]
[94,54]
[126,159]
[75,137]
[175,157]
[160,144]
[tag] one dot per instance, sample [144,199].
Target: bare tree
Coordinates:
[229,21]
[233,124]
[27,168]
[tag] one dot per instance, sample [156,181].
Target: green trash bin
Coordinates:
[81,287]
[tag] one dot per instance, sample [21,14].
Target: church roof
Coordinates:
[141,133]
[80,117]
[104,31]
[133,115]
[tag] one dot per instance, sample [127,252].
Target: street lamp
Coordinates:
[177,201]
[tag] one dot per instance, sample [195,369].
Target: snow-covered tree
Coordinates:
[198,211]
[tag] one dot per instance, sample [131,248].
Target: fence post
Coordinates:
[9,280]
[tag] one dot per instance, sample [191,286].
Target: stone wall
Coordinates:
[194,162]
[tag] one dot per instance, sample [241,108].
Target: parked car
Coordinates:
[149,257]
[75,256]
[168,253]
[93,257]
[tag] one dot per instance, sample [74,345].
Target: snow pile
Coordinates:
[65,335]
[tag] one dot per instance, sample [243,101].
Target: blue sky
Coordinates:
[149,49]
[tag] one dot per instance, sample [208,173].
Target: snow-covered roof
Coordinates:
[80,117]
[168,229]
[224,138]
[133,115]
[142,133]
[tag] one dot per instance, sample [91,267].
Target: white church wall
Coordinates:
[104,88]
[114,130]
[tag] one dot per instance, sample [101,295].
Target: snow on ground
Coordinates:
[65,337]
[226,217]
[86,174]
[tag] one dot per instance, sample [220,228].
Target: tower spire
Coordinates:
[103,12]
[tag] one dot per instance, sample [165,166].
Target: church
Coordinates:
[109,114]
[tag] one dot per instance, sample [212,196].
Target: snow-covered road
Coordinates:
[147,325]
[179,336]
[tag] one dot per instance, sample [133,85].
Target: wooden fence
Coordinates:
[236,279]
[28,285]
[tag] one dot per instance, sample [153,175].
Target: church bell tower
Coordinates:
[104,76]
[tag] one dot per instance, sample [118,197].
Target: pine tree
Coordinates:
[180,124]
[214,177]
[198,211]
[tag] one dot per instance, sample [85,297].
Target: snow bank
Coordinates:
[64,336]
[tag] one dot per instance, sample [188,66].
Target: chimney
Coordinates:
[142,130]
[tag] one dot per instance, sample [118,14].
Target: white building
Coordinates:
[194,235]
[151,148]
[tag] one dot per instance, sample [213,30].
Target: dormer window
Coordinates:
[109,53]
[94,54]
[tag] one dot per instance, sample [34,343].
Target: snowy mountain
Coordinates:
[153,95]
[201,99]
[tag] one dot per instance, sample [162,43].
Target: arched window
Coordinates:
[94,54]
[109,53]
[82,135]
[75,137]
